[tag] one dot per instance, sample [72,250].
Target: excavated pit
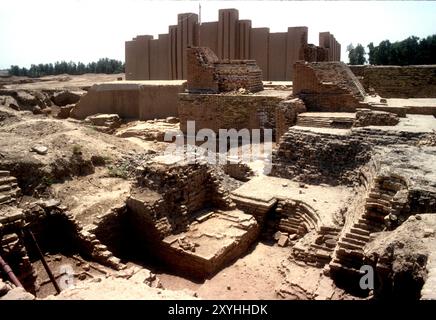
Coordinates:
[340,196]
[56,235]
[179,218]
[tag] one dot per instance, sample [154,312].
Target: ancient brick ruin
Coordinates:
[398,81]
[93,193]
[229,38]
[207,74]
[327,86]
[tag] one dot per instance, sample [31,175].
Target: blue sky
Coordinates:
[84,30]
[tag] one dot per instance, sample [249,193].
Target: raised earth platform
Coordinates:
[424,106]
[143,100]
[264,192]
[339,120]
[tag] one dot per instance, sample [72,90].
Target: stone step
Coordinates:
[294,220]
[385,192]
[4,173]
[288,229]
[346,245]
[6,187]
[350,254]
[354,241]
[380,201]
[329,229]
[359,231]
[374,216]
[289,223]
[320,247]
[7,180]
[349,263]
[371,223]
[377,195]
[323,256]
[15,192]
[5,198]
[337,266]
[366,227]
[357,236]
[378,207]
[380,196]
[350,258]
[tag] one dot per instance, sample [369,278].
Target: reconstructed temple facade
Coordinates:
[165,58]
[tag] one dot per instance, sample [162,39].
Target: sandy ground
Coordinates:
[254,276]
[57,82]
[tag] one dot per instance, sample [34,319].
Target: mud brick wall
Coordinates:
[327,86]
[236,74]
[366,117]
[219,111]
[286,115]
[201,75]
[183,190]
[399,81]
[207,74]
[312,53]
[358,70]
[319,157]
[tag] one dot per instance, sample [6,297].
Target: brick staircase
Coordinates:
[337,120]
[296,217]
[380,203]
[320,252]
[9,190]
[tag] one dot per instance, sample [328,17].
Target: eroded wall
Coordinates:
[327,86]
[142,100]
[216,111]
[399,81]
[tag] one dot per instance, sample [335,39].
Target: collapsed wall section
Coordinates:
[208,74]
[318,157]
[327,86]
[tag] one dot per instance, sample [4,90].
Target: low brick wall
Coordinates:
[219,111]
[399,81]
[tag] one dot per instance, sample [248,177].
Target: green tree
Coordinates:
[103,65]
[14,70]
[356,55]
[409,51]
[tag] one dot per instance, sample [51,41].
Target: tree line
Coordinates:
[104,65]
[410,51]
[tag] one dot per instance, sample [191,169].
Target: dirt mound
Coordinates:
[72,148]
[401,257]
